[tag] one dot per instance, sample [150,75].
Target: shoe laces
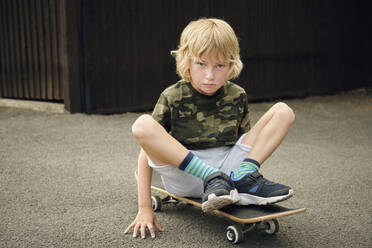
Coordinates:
[217,180]
[260,179]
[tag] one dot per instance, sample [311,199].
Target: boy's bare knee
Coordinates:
[142,127]
[285,112]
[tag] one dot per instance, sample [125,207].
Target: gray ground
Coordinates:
[67,181]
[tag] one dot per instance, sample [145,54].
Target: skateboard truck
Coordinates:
[158,202]
[235,233]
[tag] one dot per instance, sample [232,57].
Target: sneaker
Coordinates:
[219,191]
[254,189]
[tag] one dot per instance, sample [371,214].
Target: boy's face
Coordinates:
[208,74]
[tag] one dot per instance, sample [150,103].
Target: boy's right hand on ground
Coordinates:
[145,219]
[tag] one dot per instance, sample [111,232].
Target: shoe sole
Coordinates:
[216,202]
[247,199]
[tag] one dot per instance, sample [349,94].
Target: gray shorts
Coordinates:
[225,158]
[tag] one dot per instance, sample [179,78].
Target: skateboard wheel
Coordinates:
[234,234]
[272,226]
[156,203]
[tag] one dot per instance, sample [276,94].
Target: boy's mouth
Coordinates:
[209,85]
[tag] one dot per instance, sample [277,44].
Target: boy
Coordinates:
[199,137]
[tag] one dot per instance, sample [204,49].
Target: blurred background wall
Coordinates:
[113,56]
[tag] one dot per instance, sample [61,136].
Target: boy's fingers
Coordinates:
[143,231]
[135,231]
[158,227]
[128,228]
[151,229]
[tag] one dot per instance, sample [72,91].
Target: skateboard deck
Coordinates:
[245,217]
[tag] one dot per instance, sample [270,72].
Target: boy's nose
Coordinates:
[209,74]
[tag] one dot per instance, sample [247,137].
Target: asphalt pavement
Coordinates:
[66,180]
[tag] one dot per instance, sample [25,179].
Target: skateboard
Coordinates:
[245,218]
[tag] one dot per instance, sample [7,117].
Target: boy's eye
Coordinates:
[220,66]
[201,63]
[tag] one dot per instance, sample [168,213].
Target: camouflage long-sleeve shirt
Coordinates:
[198,121]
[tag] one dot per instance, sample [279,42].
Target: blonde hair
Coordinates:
[204,37]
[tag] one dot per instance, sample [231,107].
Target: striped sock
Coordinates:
[247,166]
[194,166]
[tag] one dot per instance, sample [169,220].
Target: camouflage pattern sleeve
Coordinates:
[245,124]
[161,112]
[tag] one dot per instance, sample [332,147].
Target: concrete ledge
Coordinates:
[57,108]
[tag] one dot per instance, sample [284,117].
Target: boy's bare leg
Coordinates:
[158,144]
[264,138]
[270,130]
[163,149]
